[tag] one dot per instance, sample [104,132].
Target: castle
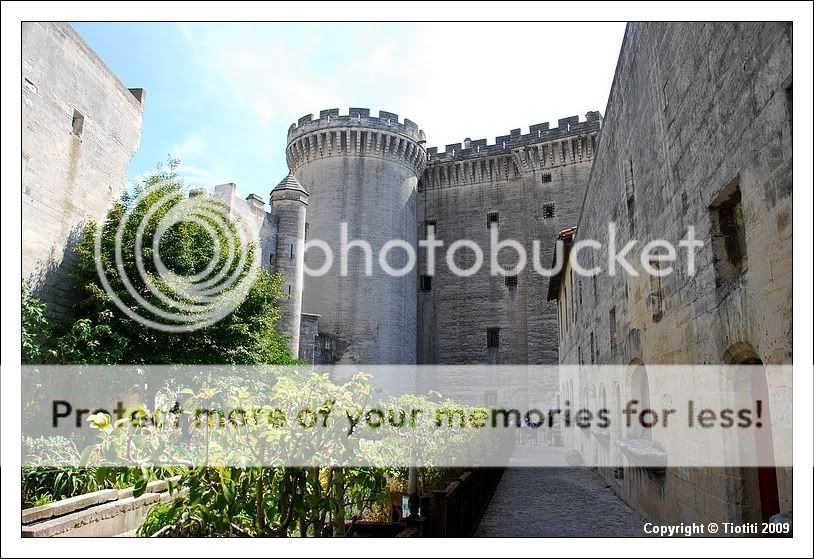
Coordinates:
[375,175]
[698,130]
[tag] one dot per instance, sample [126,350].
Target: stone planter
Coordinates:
[105,513]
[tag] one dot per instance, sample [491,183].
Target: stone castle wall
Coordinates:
[697,113]
[81,127]
[535,183]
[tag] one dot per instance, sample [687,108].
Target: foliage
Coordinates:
[36,329]
[315,499]
[282,501]
[102,334]
[245,336]
[229,501]
[50,481]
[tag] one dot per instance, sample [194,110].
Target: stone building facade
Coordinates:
[526,186]
[698,132]
[375,175]
[81,127]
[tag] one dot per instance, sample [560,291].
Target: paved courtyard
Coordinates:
[555,501]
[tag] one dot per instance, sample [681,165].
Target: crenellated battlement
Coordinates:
[568,127]
[514,155]
[356,134]
[357,117]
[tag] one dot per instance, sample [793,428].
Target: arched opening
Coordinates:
[742,353]
[640,391]
[764,446]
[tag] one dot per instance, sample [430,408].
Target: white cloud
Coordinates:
[455,80]
[192,145]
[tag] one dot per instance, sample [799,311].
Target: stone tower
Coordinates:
[361,171]
[289,201]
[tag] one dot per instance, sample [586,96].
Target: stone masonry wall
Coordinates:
[361,171]
[696,111]
[81,127]
[535,182]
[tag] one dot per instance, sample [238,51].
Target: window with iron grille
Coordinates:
[548,211]
[425,283]
[511,281]
[493,337]
[546,177]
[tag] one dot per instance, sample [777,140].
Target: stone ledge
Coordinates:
[57,526]
[66,506]
[643,453]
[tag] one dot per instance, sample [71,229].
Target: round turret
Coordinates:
[288,205]
[361,171]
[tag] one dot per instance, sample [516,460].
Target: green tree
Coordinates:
[103,334]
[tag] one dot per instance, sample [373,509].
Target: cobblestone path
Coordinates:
[556,502]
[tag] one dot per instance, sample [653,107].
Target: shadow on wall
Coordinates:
[53,282]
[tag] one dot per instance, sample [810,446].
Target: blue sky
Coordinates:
[221,96]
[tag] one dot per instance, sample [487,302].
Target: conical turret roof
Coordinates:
[290,182]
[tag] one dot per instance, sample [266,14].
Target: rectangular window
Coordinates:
[630,192]
[593,353]
[77,123]
[511,281]
[559,318]
[492,218]
[729,235]
[655,293]
[430,224]
[546,177]
[425,283]
[565,306]
[548,211]
[612,327]
[493,337]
